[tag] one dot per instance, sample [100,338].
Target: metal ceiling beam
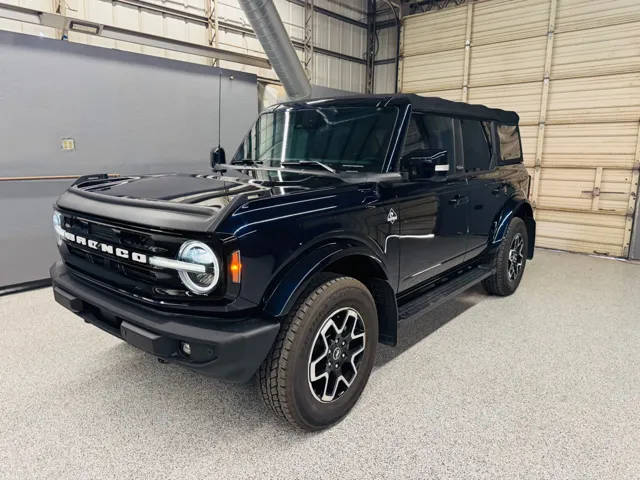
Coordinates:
[230,27]
[196,17]
[64,22]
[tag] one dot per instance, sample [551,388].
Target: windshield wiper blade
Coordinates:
[307,163]
[246,161]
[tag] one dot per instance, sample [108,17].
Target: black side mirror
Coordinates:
[427,163]
[217,156]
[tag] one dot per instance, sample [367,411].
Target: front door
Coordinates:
[432,212]
[433,228]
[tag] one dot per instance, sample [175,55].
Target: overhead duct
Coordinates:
[266,22]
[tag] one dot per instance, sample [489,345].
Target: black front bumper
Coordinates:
[228,349]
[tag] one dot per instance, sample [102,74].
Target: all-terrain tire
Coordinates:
[284,376]
[502,282]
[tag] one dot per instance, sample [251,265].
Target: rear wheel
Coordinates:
[323,355]
[509,260]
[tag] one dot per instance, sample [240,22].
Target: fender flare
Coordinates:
[515,207]
[283,292]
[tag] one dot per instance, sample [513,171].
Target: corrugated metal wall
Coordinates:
[385,73]
[330,33]
[571,69]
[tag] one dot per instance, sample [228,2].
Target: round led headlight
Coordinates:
[199,253]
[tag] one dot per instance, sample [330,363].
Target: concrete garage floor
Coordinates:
[543,384]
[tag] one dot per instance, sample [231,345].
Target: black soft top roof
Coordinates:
[460,109]
[418,103]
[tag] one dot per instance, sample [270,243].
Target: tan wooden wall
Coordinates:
[571,69]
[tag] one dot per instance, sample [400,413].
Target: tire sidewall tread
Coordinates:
[282,377]
[499,283]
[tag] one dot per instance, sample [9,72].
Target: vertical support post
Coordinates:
[372,45]
[595,195]
[544,101]
[60,7]
[631,244]
[213,27]
[467,53]
[308,39]
[400,72]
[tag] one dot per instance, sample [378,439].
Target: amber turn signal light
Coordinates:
[235,267]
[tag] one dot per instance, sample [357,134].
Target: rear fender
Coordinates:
[515,207]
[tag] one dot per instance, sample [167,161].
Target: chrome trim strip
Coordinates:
[59,230]
[179,265]
[425,270]
[420,237]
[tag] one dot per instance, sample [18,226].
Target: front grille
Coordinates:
[141,274]
[126,276]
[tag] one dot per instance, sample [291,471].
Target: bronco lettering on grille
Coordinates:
[106,248]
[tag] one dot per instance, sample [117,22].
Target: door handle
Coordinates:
[458,200]
[500,189]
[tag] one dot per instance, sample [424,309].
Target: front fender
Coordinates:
[284,291]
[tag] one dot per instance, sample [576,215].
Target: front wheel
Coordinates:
[323,355]
[509,260]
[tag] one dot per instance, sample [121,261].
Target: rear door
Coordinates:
[432,212]
[487,191]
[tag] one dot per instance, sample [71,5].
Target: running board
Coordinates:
[440,294]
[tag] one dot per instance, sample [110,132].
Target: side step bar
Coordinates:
[441,293]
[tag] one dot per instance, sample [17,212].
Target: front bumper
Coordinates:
[228,349]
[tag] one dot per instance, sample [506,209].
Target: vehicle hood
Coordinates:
[207,190]
[185,201]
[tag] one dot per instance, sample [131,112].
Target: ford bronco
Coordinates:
[335,219]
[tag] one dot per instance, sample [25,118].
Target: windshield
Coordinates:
[341,138]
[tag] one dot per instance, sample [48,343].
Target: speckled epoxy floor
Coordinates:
[543,384]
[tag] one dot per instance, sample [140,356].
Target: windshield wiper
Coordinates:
[246,161]
[307,163]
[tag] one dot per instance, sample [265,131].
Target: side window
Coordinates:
[510,150]
[413,140]
[428,131]
[476,140]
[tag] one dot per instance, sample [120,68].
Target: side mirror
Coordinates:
[217,156]
[427,163]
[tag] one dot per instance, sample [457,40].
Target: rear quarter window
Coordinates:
[476,141]
[510,149]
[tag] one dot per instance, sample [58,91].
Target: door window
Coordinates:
[426,131]
[476,140]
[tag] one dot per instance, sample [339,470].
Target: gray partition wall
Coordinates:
[126,113]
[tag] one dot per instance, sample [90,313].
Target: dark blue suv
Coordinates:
[335,219]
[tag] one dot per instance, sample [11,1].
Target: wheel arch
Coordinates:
[340,258]
[521,208]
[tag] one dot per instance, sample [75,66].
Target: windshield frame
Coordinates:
[385,159]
